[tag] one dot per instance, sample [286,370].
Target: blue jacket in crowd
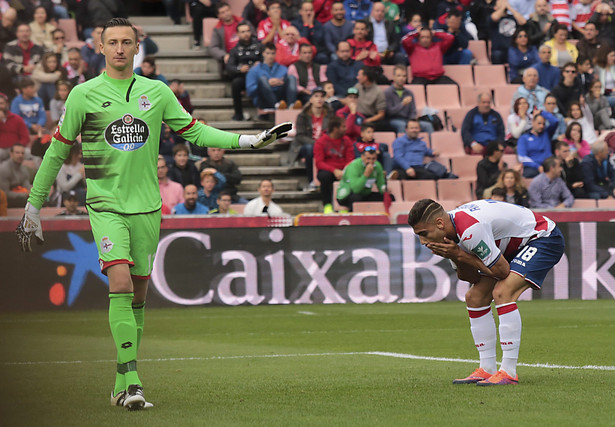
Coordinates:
[409,153]
[32,111]
[476,128]
[275,71]
[598,179]
[357,9]
[548,75]
[518,60]
[533,149]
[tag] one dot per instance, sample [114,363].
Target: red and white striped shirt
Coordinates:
[488,228]
[561,12]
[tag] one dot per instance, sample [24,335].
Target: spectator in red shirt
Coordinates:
[287,50]
[322,10]
[350,113]
[363,49]
[224,35]
[13,129]
[270,30]
[426,56]
[332,152]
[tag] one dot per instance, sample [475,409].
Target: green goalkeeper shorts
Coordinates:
[126,239]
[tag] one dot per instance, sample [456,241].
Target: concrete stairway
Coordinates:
[211,97]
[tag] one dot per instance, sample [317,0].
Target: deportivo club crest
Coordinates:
[127,134]
[144,103]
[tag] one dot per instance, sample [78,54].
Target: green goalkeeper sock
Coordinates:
[139,312]
[124,331]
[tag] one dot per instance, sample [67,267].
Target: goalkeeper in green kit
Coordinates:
[119,117]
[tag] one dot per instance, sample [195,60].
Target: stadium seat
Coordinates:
[287,116]
[511,160]
[469,94]
[386,138]
[504,112]
[208,27]
[387,70]
[447,143]
[394,187]
[443,97]
[395,209]
[479,50]
[455,189]
[503,95]
[416,189]
[454,118]
[69,26]
[238,207]
[419,97]
[465,166]
[462,74]
[368,207]
[237,6]
[606,203]
[584,204]
[409,72]
[490,75]
[449,205]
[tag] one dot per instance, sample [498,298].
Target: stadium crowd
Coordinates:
[349,71]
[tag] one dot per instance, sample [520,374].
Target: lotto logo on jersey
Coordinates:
[127,134]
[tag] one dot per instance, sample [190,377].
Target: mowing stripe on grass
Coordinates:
[273,356]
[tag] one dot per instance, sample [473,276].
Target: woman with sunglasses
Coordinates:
[521,54]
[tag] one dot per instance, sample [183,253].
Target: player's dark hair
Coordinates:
[269,46]
[334,123]
[549,163]
[302,45]
[180,147]
[424,211]
[118,22]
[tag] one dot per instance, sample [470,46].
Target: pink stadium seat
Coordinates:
[387,70]
[479,50]
[237,6]
[465,166]
[511,160]
[584,204]
[419,97]
[395,188]
[447,143]
[416,189]
[490,75]
[385,137]
[449,205]
[208,27]
[455,116]
[368,207]
[287,116]
[409,73]
[395,209]
[443,96]
[469,94]
[606,203]
[504,112]
[69,26]
[461,74]
[455,189]
[503,95]
[238,207]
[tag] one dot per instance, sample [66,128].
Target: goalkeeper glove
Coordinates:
[265,138]
[30,225]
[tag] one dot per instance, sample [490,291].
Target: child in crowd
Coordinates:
[56,105]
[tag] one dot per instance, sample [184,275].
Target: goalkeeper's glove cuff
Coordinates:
[31,209]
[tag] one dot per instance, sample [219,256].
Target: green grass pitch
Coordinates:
[309,365]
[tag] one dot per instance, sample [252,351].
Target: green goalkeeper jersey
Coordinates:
[120,122]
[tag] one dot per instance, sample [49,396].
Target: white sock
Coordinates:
[482,326]
[510,336]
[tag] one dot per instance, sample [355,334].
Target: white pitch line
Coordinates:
[273,356]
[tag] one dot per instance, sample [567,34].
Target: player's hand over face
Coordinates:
[446,249]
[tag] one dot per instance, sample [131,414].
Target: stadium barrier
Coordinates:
[203,261]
